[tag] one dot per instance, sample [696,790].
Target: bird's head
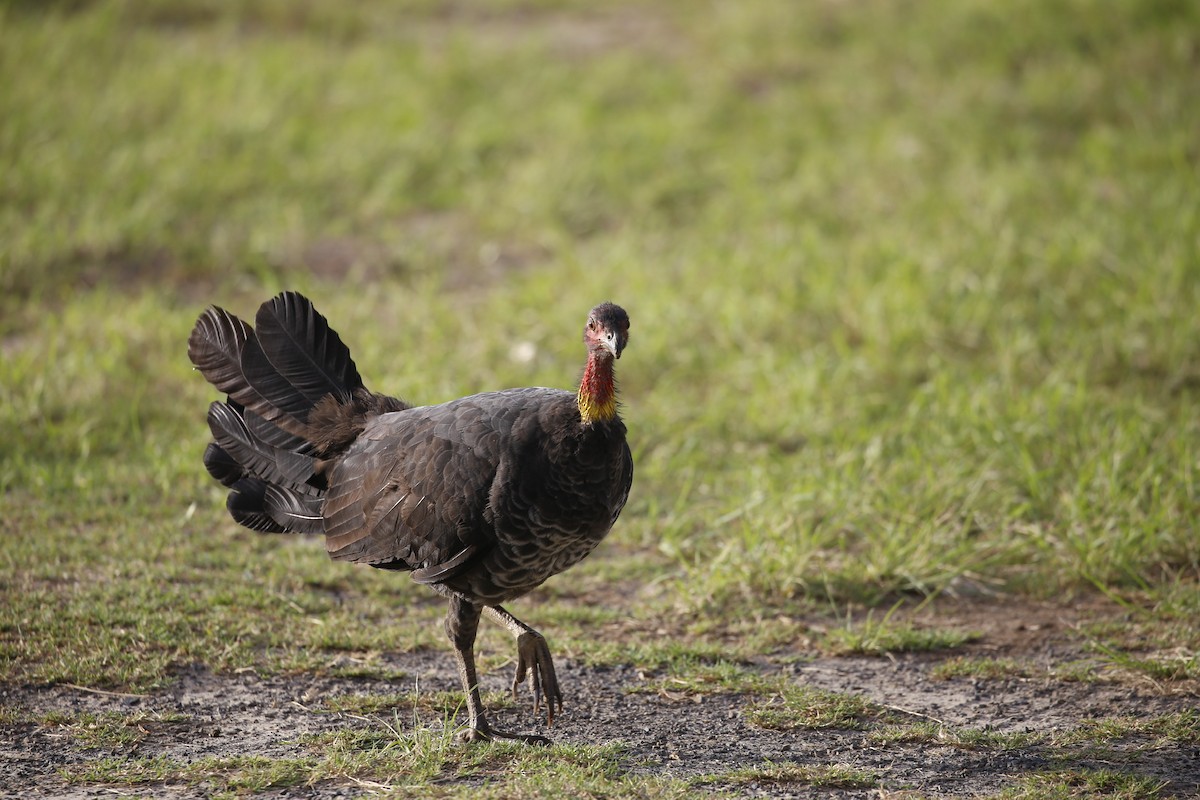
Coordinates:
[607,330]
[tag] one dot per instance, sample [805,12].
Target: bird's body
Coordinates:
[482,498]
[487,476]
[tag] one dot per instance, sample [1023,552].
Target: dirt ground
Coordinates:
[664,733]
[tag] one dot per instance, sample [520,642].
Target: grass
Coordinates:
[913,291]
[111,730]
[987,668]
[798,707]
[886,635]
[1110,740]
[384,760]
[1179,728]
[1163,645]
[1084,783]
[224,775]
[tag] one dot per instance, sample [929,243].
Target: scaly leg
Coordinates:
[534,660]
[462,623]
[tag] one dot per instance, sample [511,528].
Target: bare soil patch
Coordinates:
[663,733]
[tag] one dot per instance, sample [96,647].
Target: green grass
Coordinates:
[1179,728]
[1072,784]
[111,730]
[988,668]
[885,635]
[232,774]
[913,290]
[1163,646]
[797,707]
[383,760]
[1114,740]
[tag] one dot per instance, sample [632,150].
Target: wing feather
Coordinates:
[416,485]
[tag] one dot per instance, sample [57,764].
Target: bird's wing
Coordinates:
[624,484]
[412,491]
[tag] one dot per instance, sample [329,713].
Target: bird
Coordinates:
[481,499]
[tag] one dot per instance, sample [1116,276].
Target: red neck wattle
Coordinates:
[597,392]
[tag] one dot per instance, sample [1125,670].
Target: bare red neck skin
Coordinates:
[597,392]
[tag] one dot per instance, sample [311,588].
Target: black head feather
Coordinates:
[605,319]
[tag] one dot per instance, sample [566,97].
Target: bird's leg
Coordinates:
[533,660]
[462,623]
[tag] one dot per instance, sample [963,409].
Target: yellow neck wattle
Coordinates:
[591,410]
[597,396]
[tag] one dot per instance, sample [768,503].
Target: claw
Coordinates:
[483,732]
[534,660]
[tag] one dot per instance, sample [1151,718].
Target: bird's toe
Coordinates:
[484,732]
[535,662]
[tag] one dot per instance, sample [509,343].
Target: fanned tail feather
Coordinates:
[266,508]
[268,442]
[294,511]
[256,457]
[269,433]
[227,353]
[304,350]
[221,465]
[247,505]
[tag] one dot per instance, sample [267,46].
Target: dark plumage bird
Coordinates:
[482,498]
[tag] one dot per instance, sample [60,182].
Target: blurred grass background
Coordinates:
[914,290]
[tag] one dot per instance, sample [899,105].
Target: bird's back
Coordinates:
[488,495]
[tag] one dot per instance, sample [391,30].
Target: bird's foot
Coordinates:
[533,659]
[481,731]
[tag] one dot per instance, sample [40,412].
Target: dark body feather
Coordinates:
[510,475]
[482,498]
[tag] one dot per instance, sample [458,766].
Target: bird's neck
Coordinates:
[597,391]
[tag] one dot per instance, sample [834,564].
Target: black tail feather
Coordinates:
[221,465]
[215,347]
[295,512]
[293,393]
[257,458]
[261,374]
[305,351]
[246,506]
[270,433]
[226,352]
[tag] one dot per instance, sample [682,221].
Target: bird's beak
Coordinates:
[614,343]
